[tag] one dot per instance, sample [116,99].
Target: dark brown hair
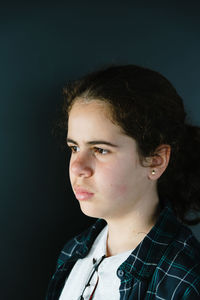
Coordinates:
[147,108]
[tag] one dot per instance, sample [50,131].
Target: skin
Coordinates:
[125,192]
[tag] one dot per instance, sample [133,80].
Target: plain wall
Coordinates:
[42,46]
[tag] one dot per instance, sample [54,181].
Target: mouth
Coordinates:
[82,194]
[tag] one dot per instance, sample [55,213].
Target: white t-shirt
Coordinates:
[108,284]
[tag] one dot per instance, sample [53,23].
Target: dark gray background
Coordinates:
[42,46]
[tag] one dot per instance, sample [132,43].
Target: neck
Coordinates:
[125,233]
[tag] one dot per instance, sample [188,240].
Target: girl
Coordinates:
[135,167]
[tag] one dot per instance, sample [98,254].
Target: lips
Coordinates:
[82,194]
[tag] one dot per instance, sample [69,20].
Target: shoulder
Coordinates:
[180,264]
[79,245]
[184,248]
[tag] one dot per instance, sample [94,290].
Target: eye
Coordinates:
[101,151]
[74,149]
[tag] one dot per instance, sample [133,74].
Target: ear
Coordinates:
[159,161]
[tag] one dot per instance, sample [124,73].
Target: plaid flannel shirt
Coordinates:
[165,265]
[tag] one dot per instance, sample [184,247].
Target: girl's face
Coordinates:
[105,163]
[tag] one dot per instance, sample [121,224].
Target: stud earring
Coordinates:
[153,172]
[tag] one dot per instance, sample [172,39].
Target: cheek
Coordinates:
[70,172]
[114,180]
[122,189]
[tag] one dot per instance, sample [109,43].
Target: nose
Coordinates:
[81,166]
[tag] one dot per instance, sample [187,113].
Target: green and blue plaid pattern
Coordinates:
[165,265]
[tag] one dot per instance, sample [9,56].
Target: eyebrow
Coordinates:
[92,143]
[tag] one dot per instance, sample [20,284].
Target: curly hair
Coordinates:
[147,108]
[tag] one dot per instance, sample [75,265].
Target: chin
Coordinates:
[90,212]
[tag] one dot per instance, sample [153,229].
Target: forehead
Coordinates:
[91,118]
[90,122]
[93,106]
